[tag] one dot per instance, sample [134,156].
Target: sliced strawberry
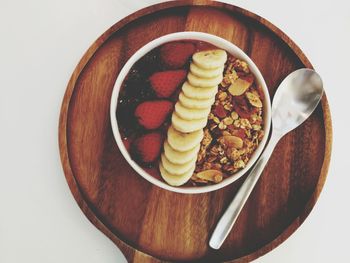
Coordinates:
[174,55]
[166,82]
[147,147]
[152,114]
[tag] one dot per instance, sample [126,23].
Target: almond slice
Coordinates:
[198,180]
[239,86]
[254,99]
[232,141]
[210,175]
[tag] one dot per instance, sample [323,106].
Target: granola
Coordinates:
[235,126]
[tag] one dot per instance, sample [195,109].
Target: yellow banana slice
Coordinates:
[177,157]
[186,126]
[176,180]
[198,93]
[191,114]
[202,82]
[195,103]
[206,73]
[177,169]
[183,142]
[210,59]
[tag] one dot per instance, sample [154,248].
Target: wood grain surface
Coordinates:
[150,224]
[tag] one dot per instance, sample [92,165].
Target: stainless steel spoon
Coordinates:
[295,100]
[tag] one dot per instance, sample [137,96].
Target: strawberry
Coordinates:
[175,54]
[147,147]
[165,83]
[152,114]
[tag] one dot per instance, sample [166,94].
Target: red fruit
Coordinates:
[245,114]
[152,114]
[220,111]
[165,83]
[248,78]
[203,46]
[241,106]
[240,133]
[175,54]
[147,147]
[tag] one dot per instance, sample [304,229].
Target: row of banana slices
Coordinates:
[185,134]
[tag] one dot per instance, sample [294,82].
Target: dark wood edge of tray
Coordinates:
[130,252]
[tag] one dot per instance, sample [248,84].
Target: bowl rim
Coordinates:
[221,43]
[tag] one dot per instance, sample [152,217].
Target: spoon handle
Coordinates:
[231,214]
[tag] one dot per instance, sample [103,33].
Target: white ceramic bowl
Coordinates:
[221,43]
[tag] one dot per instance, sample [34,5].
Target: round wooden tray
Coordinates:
[150,224]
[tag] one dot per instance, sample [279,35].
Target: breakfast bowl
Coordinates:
[190,112]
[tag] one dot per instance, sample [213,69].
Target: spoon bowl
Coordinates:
[296,98]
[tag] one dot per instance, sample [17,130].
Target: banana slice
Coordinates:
[199,93]
[191,114]
[184,142]
[177,157]
[210,59]
[176,180]
[204,82]
[194,103]
[186,126]
[177,169]
[206,73]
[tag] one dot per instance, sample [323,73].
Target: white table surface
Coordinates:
[41,42]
